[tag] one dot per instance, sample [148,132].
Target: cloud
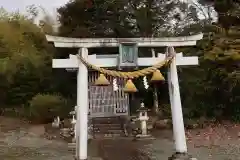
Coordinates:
[49,5]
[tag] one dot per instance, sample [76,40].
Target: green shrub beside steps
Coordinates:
[44,107]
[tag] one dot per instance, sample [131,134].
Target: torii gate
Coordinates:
[82,77]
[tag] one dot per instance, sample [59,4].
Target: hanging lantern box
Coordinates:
[128,54]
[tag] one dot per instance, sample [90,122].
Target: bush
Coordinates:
[43,108]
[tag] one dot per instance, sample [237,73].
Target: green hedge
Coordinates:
[44,107]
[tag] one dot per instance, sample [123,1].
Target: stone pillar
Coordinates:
[82,109]
[144,127]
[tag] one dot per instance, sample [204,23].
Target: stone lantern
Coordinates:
[73,122]
[56,122]
[143,118]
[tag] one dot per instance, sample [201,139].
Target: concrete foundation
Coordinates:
[181,156]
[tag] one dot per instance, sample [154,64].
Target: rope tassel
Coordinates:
[130,87]
[157,76]
[102,81]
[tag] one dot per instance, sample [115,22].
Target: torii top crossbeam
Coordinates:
[66,42]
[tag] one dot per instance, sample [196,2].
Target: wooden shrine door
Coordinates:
[104,102]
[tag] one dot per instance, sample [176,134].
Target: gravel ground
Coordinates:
[202,144]
[24,143]
[20,145]
[161,149]
[122,149]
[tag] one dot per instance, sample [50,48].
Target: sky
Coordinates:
[49,5]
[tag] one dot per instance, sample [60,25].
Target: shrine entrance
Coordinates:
[104,101]
[99,101]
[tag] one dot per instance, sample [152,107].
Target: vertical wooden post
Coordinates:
[155,99]
[176,106]
[155,93]
[82,109]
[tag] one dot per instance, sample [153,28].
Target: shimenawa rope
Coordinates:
[127,75]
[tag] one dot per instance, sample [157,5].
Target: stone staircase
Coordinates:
[107,127]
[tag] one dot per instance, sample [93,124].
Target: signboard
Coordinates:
[128,54]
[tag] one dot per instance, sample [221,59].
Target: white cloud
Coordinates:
[49,5]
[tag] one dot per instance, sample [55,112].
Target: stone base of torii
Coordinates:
[181,156]
[82,80]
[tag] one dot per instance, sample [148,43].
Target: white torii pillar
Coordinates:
[176,105]
[82,108]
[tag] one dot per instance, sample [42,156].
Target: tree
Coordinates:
[25,58]
[215,87]
[113,18]
[134,18]
[201,86]
[228,12]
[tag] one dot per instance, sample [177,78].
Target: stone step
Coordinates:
[71,145]
[104,118]
[108,123]
[108,126]
[107,120]
[100,135]
[106,130]
[109,131]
